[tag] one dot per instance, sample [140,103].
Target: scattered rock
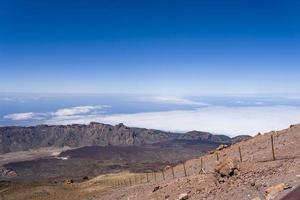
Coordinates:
[68,181]
[273,191]
[156,188]
[183,196]
[7,172]
[258,134]
[85,178]
[227,167]
[211,152]
[167,167]
[221,147]
[167,196]
[293,125]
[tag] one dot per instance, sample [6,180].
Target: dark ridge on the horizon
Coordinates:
[15,138]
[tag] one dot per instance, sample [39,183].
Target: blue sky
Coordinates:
[150,47]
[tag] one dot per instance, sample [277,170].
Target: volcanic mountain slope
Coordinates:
[94,160]
[14,139]
[90,150]
[257,177]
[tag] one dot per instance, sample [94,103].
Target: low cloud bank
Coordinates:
[223,120]
[20,116]
[173,100]
[76,110]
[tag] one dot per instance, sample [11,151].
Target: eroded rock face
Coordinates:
[24,138]
[227,167]
[78,135]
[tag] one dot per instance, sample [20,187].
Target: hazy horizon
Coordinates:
[231,115]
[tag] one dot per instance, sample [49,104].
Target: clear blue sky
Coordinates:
[150,47]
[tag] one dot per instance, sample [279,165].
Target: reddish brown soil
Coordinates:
[257,172]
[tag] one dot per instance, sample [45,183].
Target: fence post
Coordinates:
[163,174]
[201,163]
[201,166]
[130,182]
[272,143]
[217,156]
[141,179]
[147,177]
[184,169]
[240,152]
[154,173]
[173,172]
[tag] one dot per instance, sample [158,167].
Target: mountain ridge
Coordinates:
[15,138]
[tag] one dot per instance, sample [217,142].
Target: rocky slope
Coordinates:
[257,177]
[24,138]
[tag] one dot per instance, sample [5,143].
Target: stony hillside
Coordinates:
[24,138]
[255,175]
[246,170]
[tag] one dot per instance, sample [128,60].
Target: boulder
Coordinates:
[221,147]
[68,181]
[183,196]
[211,152]
[156,188]
[227,167]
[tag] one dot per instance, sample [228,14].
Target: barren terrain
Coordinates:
[258,176]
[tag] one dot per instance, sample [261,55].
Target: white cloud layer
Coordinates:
[20,116]
[174,100]
[76,110]
[227,120]
[60,114]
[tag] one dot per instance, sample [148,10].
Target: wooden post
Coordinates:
[184,169]
[147,177]
[201,165]
[240,152]
[154,173]
[135,180]
[272,143]
[163,174]
[130,182]
[141,179]
[173,172]
[217,156]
